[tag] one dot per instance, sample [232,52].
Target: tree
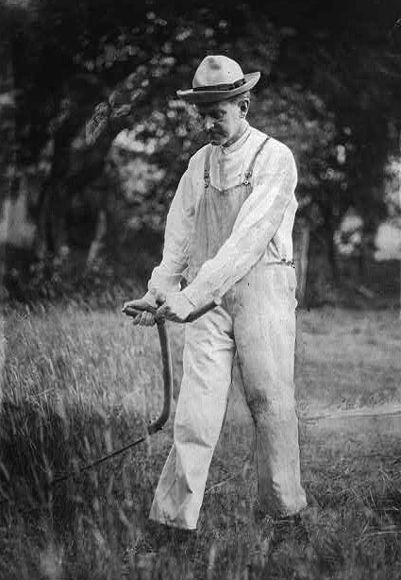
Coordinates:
[349,55]
[82,73]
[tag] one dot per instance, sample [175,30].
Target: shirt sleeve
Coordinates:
[257,222]
[166,277]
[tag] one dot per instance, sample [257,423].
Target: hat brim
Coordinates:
[206,96]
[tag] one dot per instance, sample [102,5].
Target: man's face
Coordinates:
[222,121]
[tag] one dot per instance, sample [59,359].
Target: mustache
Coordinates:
[213,132]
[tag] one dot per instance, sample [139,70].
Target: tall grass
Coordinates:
[78,384]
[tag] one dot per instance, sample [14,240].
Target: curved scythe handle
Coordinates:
[141,306]
[159,423]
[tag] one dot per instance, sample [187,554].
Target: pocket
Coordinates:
[284,282]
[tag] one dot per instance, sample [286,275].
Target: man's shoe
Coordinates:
[293,525]
[167,537]
[141,557]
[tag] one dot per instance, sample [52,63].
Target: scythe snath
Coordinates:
[160,421]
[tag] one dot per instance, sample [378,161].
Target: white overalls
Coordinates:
[255,318]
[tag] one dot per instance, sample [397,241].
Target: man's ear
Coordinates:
[244,106]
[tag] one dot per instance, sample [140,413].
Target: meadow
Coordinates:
[78,383]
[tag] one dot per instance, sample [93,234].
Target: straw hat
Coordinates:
[218,78]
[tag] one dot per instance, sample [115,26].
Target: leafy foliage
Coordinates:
[82,73]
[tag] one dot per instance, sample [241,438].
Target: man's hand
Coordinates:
[176,307]
[144,318]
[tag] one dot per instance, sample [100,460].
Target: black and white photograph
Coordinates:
[200,303]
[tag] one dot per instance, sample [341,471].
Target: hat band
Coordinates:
[222,87]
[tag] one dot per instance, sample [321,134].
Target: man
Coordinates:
[229,230]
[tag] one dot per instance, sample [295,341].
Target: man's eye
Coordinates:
[214,115]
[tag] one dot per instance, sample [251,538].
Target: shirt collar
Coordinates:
[238,143]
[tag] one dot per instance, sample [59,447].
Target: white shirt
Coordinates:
[263,226]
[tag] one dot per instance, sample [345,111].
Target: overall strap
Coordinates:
[248,174]
[206,171]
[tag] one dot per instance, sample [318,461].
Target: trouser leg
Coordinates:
[202,402]
[264,331]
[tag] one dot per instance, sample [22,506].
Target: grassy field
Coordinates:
[77,384]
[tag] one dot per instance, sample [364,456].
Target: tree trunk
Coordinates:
[301,253]
[97,242]
[320,286]
[332,253]
[43,243]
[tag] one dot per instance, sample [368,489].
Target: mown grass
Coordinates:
[77,384]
